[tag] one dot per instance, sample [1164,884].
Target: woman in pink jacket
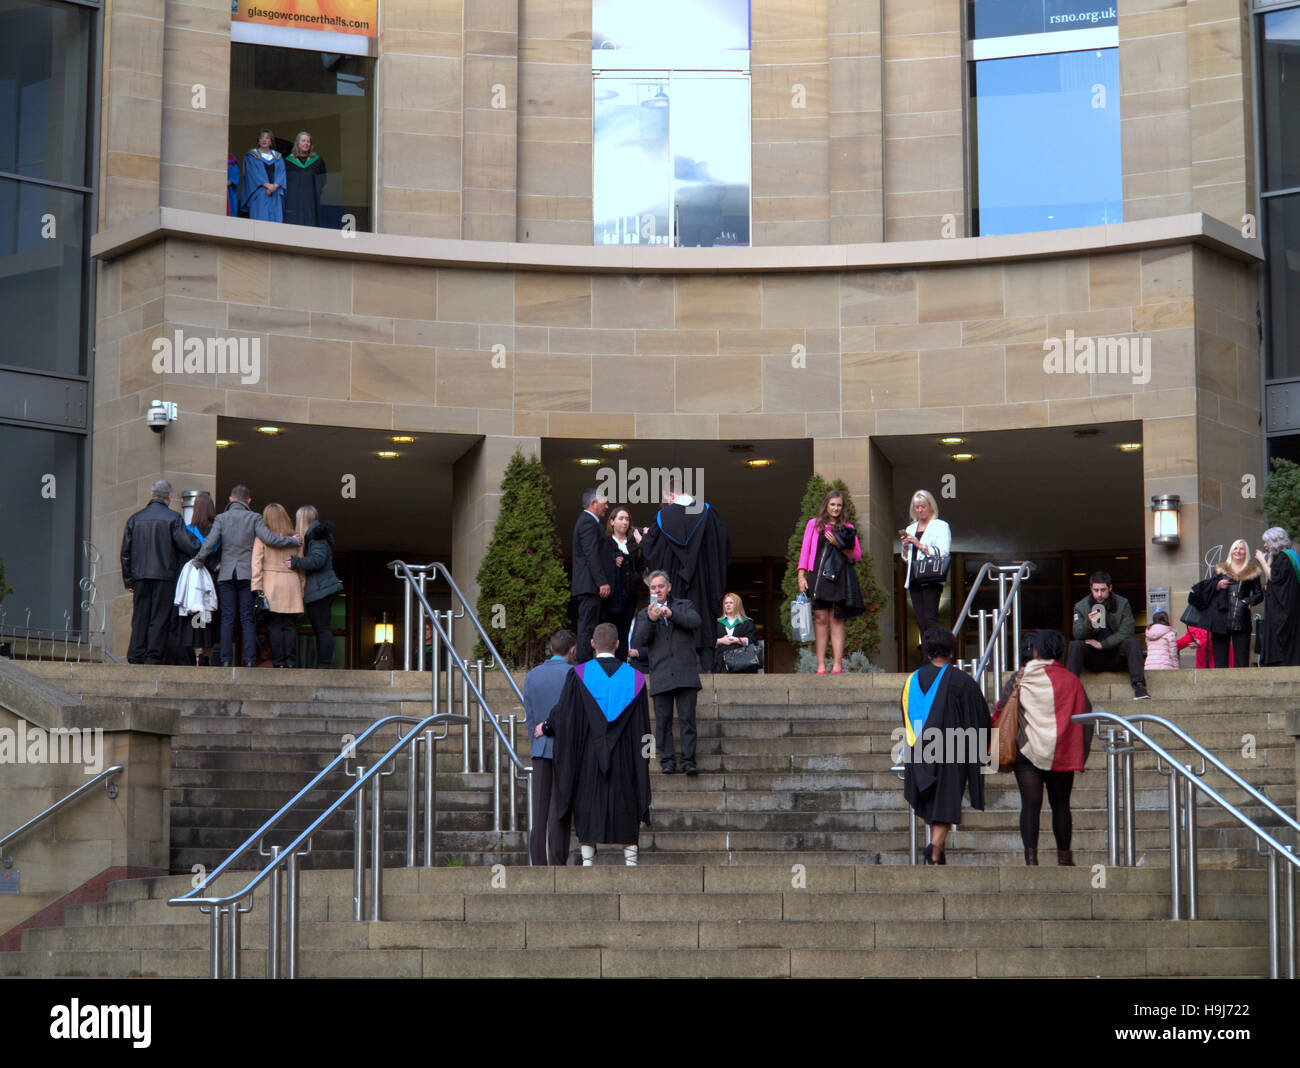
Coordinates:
[826,574]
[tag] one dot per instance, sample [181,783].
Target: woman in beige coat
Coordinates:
[282,586]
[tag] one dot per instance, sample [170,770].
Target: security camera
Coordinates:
[161,415]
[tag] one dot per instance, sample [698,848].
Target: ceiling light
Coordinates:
[962,457]
[756,462]
[1129,446]
[588,461]
[223,443]
[952,441]
[402,439]
[387,454]
[613,446]
[271,430]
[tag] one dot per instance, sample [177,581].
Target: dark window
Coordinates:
[1280,98]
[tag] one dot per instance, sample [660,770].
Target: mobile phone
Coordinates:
[903,533]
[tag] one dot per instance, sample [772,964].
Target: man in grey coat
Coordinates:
[542,688]
[233,532]
[665,633]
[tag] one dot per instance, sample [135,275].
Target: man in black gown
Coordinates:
[688,541]
[601,726]
[947,722]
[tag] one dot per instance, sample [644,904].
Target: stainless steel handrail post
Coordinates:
[215,944]
[412,797]
[1015,624]
[453,659]
[359,848]
[419,638]
[1274,968]
[430,793]
[376,847]
[496,777]
[1000,657]
[1112,801]
[1289,913]
[478,718]
[1175,863]
[232,948]
[291,916]
[1130,803]
[406,626]
[511,780]
[912,851]
[273,919]
[1190,792]
[981,619]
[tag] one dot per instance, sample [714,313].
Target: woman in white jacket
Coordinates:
[926,535]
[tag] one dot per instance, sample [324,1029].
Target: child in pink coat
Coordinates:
[1163,644]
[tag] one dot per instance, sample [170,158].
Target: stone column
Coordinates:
[195,105]
[131,137]
[491,96]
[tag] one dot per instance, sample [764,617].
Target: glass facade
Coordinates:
[48,101]
[1280,174]
[671,153]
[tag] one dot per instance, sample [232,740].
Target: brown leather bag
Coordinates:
[1009,727]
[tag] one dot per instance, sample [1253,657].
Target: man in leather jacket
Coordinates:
[155,546]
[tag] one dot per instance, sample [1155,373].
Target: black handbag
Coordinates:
[931,570]
[741,659]
[832,564]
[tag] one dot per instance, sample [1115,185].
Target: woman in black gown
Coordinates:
[620,607]
[941,705]
[304,173]
[1280,639]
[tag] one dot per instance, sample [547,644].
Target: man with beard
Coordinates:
[601,725]
[1103,636]
[688,542]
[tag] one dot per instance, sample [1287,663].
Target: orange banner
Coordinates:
[360,17]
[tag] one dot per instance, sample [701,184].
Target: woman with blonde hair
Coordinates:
[274,578]
[1225,599]
[321,585]
[926,538]
[733,630]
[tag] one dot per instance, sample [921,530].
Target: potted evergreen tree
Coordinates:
[862,633]
[1281,501]
[523,590]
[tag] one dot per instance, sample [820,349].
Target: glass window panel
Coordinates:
[632,175]
[39,549]
[44,60]
[42,264]
[331,96]
[1280,98]
[711,167]
[1010,18]
[1282,240]
[670,25]
[1065,107]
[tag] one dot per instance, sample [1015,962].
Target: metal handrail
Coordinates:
[303,836]
[522,769]
[1205,754]
[1022,572]
[103,776]
[1186,785]
[970,597]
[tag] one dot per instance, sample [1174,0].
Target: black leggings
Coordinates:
[318,612]
[1240,648]
[1059,784]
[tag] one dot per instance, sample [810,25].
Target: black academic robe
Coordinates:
[302,191]
[601,776]
[695,552]
[932,787]
[1280,639]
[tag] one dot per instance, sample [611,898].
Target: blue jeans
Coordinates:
[230,593]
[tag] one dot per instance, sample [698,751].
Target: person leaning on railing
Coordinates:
[1050,746]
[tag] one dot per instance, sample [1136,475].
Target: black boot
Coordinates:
[1064,858]
[1031,857]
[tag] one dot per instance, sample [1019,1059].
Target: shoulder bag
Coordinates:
[1010,718]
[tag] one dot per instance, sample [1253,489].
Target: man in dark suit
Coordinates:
[593,567]
[155,546]
[665,633]
[542,688]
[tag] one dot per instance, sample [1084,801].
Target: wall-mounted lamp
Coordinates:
[1165,509]
[384,644]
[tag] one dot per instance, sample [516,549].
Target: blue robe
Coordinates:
[252,197]
[232,184]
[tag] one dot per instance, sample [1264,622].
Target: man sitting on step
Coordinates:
[601,726]
[1103,632]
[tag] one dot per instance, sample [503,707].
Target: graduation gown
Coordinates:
[1280,641]
[253,199]
[600,723]
[694,551]
[305,179]
[933,787]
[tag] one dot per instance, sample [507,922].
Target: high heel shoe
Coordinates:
[838,669]
[821,668]
[928,854]
[1031,858]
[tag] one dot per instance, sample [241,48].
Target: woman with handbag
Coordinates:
[830,549]
[203,639]
[276,580]
[927,542]
[1225,600]
[1037,707]
[734,633]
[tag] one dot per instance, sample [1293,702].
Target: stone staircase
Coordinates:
[795,770]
